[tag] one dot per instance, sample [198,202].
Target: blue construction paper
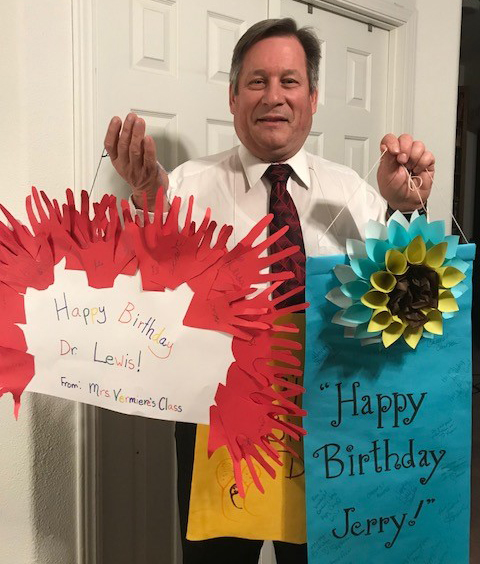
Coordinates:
[430,504]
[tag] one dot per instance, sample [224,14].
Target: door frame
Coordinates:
[399,21]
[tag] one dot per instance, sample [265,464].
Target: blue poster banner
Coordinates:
[387,454]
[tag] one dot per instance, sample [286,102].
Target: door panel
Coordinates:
[351,115]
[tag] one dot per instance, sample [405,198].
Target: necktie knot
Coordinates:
[278,173]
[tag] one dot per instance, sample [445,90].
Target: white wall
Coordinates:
[436,87]
[38,461]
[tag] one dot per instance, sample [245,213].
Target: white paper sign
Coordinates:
[123,349]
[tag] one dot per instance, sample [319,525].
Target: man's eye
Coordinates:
[257,81]
[289,81]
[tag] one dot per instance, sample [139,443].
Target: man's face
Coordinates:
[273,108]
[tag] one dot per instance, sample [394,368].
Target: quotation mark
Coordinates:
[420,505]
[324,386]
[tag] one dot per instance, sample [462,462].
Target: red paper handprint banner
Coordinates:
[147,316]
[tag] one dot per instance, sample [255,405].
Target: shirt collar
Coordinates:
[255,168]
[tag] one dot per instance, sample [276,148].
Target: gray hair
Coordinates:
[278,28]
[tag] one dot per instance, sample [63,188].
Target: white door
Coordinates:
[352,108]
[168,60]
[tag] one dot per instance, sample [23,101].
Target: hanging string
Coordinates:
[451,213]
[103,155]
[352,195]
[412,186]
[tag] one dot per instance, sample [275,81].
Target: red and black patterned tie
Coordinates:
[285,213]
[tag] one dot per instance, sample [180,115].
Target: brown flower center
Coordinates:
[415,290]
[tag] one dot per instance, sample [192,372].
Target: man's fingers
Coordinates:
[426,162]
[149,153]
[111,138]
[390,142]
[416,153]
[406,141]
[135,152]
[125,138]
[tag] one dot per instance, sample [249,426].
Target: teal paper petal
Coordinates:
[338,320]
[427,334]
[436,231]
[452,241]
[344,273]
[362,333]
[458,263]
[458,290]
[355,289]
[446,315]
[357,313]
[397,234]
[417,227]
[356,249]
[398,217]
[364,268]
[376,251]
[375,230]
[337,297]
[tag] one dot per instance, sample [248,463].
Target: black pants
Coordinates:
[225,549]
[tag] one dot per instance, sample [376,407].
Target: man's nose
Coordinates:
[273,94]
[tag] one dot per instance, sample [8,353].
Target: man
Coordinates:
[273,96]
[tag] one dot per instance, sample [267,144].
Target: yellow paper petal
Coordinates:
[374,299]
[416,251]
[383,281]
[381,319]
[395,262]
[392,333]
[435,322]
[446,302]
[436,255]
[412,336]
[450,276]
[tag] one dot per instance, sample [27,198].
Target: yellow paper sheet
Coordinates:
[216,509]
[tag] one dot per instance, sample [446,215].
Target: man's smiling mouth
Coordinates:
[272,119]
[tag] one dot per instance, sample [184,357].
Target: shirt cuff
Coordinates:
[139,212]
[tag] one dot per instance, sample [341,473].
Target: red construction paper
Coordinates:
[250,405]
[169,256]
[227,312]
[53,221]
[242,266]
[12,305]
[16,370]
[12,337]
[247,417]
[26,260]
[100,244]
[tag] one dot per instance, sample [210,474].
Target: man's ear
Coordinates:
[231,99]
[314,100]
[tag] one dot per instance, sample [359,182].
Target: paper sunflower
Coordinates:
[402,281]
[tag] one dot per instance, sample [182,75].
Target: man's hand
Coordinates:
[134,157]
[392,177]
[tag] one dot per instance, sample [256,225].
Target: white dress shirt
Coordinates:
[232,185]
